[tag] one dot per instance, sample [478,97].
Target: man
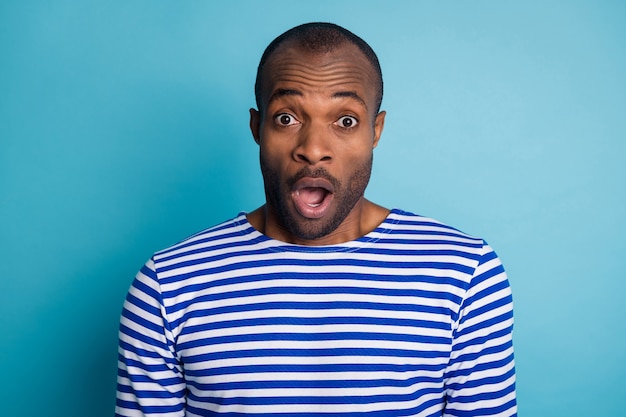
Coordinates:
[320,302]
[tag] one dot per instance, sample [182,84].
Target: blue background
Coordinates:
[124,128]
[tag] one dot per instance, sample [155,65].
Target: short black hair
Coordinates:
[320,37]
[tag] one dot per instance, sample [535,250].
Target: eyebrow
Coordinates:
[350,94]
[284,92]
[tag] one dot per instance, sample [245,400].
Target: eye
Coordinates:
[347,122]
[285,119]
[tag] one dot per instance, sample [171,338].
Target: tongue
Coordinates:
[312,196]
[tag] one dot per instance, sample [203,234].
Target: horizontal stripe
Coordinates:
[412,319]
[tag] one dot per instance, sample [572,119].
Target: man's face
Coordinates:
[316,132]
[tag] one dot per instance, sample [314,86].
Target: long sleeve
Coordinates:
[150,379]
[480,377]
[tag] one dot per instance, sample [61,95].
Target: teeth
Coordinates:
[314,205]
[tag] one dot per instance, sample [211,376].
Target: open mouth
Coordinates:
[312,197]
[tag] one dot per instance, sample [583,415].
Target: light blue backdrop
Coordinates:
[123,129]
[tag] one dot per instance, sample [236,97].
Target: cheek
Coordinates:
[275,159]
[356,154]
[273,150]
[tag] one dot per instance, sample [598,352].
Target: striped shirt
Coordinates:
[412,319]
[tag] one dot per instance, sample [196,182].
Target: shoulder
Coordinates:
[225,233]
[400,220]
[435,237]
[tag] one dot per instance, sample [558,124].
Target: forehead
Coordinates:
[342,69]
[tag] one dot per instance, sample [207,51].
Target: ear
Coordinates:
[379,123]
[255,125]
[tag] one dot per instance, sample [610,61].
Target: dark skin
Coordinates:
[316,134]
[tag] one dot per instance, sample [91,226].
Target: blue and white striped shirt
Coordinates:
[412,319]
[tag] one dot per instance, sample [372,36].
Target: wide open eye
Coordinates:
[347,122]
[285,119]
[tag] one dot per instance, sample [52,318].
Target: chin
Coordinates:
[312,229]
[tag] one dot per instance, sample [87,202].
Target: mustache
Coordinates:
[313,173]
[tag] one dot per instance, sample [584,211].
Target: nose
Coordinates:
[313,146]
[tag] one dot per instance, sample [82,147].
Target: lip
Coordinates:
[303,207]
